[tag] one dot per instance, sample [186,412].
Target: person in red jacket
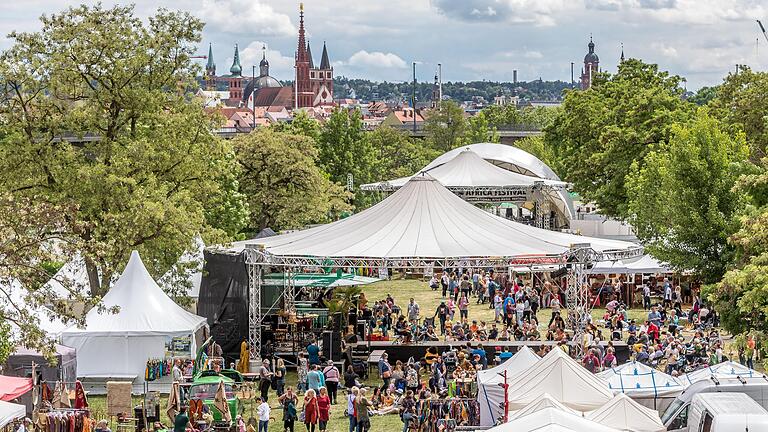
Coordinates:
[311,410]
[653,331]
[324,407]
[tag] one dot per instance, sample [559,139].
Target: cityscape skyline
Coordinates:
[474,39]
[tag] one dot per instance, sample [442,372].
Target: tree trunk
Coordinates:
[93,277]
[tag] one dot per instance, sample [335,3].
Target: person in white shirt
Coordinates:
[263,412]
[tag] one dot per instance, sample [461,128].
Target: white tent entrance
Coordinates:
[491,382]
[147,325]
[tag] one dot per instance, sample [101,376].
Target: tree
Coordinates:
[703,96]
[284,186]
[143,181]
[602,131]
[478,130]
[740,103]
[682,200]
[536,146]
[445,126]
[302,124]
[396,154]
[343,150]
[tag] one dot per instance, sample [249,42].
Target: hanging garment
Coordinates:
[81,400]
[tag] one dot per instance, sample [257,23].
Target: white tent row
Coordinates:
[552,419]
[544,401]
[626,414]
[648,386]
[424,219]
[119,344]
[490,392]
[645,265]
[10,412]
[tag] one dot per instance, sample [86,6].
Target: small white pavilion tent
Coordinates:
[726,369]
[552,419]
[119,345]
[424,219]
[645,265]
[625,414]
[490,393]
[544,401]
[10,412]
[564,379]
[648,386]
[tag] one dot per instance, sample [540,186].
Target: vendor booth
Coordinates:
[490,390]
[148,329]
[564,379]
[726,369]
[650,387]
[13,387]
[644,265]
[625,414]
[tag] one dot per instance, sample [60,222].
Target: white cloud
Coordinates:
[536,12]
[376,59]
[245,16]
[533,55]
[280,66]
[665,50]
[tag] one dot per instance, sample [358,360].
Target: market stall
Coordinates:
[726,369]
[625,414]
[490,384]
[137,341]
[13,387]
[564,379]
[648,386]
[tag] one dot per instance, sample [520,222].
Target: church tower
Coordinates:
[591,66]
[303,95]
[210,70]
[236,78]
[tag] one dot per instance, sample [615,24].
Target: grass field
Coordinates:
[401,290]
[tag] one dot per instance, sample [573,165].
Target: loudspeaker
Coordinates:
[332,345]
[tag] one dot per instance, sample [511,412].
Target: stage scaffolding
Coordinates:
[578,259]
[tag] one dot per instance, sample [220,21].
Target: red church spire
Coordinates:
[303,87]
[301,53]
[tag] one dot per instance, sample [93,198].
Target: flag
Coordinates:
[220,402]
[174,402]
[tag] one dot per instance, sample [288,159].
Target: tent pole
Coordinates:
[254,309]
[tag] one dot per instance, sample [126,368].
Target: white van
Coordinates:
[726,412]
[676,416]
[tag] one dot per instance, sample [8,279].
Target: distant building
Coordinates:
[591,66]
[403,116]
[314,85]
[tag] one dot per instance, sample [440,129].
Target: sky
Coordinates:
[701,40]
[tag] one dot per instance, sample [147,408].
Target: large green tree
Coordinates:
[602,131]
[445,126]
[284,186]
[396,154]
[682,201]
[142,177]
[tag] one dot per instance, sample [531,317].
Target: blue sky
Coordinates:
[474,39]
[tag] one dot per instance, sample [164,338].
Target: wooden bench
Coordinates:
[374,357]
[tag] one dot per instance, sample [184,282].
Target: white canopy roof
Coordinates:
[10,412]
[623,413]
[544,401]
[564,379]
[726,369]
[144,309]
[468,169]
[554,419]
[645,265]
[423,219]
[490,394]
[637,379]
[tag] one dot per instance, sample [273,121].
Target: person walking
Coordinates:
[463,307]
[324,409]
[181,420]
[332,375]
[444,281]
[302,370]
[280,372]
[361,409]
[314,379]
[289,400]
[350,378]
[265,380]
[263,412]
[351,396]
[311,410]
[442,314]
[409,410]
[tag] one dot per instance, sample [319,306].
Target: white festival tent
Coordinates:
[552,419]
[10,412]
[727,369]
[119,345]
[564,379]
[490,393]
[625,414]
[424,219]
[544,401]
[648,386]
[645,265]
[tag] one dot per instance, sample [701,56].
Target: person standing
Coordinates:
[442,314]
[302,370]
[280,372]
[351,396]
[181,420]
[413,311]
[332,375]
[324,409]
[314,381]
[350,377]
[385,370]
[444,281]
[313,352]
[646,296]
[463,307]
[361,408]
[263,412]
[409,410]
[289,401]
[265,380]
[311,410]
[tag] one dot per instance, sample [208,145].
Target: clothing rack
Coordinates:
[464,411]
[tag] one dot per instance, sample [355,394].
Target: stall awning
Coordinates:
[13,387]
